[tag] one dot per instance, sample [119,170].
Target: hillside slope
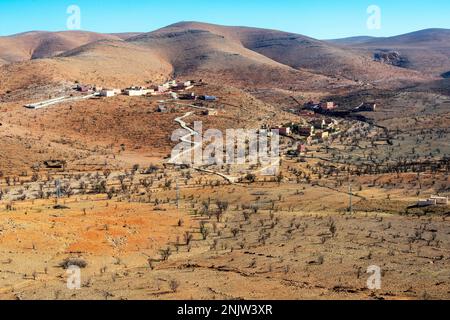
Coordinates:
[301,52]
[111,63]
[41,44]
[160,55]
[427,51]
[213,56]
[241,56]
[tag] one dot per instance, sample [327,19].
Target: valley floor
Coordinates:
[254,251]
[292,236]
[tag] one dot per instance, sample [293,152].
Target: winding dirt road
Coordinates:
[194,145]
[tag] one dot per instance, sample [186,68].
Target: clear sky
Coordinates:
[323,19]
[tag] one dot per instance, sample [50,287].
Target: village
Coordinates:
[313,128]
[319,123]
[171,88]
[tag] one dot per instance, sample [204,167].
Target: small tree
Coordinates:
[250,177]
[222,206]
[204,230]
[333,229]
[111,193]
[246,215]
[218,214]
[165,254]
[174,284]
[188,237]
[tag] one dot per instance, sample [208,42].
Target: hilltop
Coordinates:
[253,57]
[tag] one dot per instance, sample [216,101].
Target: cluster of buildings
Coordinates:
[84,88]
[170,87]
[166,88]
[433,201]
[210,112]
[176,91]
[326,106]
[316,129]
[173,88]
[312,107]
[299,150]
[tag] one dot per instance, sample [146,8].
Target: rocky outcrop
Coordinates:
[391,57]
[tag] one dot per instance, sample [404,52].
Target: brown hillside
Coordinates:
[126,35]
[106,63]
[233,55]
[40,44]
[212,56]
[427,51]
[163,54]
[301,52]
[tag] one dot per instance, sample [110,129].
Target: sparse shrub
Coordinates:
[174,284]
[235,232]
[188,237]
[165,254]
[204,230]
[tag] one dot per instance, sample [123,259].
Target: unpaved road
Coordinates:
[194,145]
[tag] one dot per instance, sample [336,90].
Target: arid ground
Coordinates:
[87,183]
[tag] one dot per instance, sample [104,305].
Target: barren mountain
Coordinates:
[126,35]
[234,55]
[116,63]
[211,55]
[427,50]
[106,63]
[301,52]
[351,40]
[427,37]
[41,44]
[162,54]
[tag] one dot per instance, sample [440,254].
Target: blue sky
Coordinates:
[323,19]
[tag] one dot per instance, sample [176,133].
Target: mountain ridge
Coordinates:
[253,57]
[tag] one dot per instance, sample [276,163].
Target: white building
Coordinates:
[169,84]
[134,92]
[107,93]
[440,200]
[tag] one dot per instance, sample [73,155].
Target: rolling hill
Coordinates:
[240,56]
[160,55]
[427,51]
[303,53]
[112,63]
[42,44]
[351,40]
[212,56]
